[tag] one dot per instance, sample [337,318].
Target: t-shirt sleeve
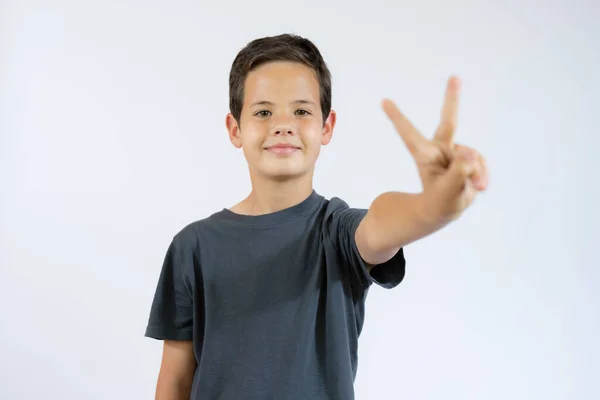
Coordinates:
[343,222]
[171,313]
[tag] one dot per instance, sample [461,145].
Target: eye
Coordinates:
[302,113]
[263,113]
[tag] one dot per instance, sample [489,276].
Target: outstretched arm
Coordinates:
[451,177]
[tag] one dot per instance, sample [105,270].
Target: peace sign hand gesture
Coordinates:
[451,174]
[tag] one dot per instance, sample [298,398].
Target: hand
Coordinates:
[451,174]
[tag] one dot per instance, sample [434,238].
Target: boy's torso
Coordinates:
[276,311]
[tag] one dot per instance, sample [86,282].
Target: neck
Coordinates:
[268,196]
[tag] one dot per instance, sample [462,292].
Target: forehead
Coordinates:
[281,81]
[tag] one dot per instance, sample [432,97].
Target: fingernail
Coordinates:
[479,182]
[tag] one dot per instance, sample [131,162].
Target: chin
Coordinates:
[281,169]
[284,173]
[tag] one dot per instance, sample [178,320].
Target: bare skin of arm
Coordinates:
[176,371]
[452,175]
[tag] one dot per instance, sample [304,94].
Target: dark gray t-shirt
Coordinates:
[274,303]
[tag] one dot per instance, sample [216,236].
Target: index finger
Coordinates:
[449,117]
[409,134]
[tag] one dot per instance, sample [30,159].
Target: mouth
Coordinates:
[282,149]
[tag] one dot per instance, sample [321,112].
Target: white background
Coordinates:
[113,138]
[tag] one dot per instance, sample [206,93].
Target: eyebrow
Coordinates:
[269,103]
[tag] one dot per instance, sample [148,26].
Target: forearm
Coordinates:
[397,219]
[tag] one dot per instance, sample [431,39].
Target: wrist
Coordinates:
[431,211]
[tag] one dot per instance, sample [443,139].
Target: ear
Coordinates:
[328,128]
[234,131]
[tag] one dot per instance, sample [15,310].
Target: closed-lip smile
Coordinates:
[282,149]
[283,146]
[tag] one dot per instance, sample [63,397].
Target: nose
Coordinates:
[283,130]
[282,127]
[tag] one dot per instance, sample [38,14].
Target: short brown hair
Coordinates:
[285,47]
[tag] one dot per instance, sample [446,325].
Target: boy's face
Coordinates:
[281,128]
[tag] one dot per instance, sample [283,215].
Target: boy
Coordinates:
[265,300]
